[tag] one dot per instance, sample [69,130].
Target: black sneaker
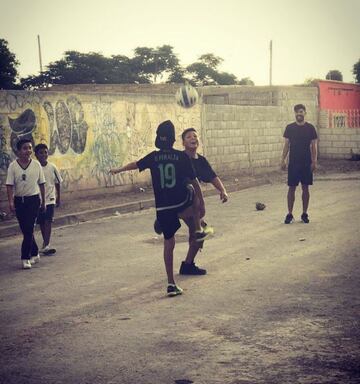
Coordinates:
[157,227]
[191,269]
[173,290]
[289,218]
[305,218]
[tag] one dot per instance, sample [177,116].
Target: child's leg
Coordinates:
[169,245]
[46,231]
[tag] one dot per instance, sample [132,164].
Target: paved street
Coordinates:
[280,303]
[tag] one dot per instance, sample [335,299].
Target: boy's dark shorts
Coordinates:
[47,215]
[169,219]
[302,174]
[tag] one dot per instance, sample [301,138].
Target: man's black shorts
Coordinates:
[47,215]
[169,219]
[302,174]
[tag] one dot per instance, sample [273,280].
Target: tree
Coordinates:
[246,81]
[311,82]
[334,74]
[154,63]
[8,64]
[204,72]
[356,71]
[86,68]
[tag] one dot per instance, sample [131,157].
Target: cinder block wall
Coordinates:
[337,143]
[243,126]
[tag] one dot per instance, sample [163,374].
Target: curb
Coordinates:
[92,214]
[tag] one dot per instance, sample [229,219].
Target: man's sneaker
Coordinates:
[289,218]
[201,235]
[26,264]
[47,251]
[173,290]
[157,227]
[305,218]
[35,259]
[191,269]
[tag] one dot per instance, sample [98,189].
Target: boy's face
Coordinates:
[25,151]
[42,155]
[191,140]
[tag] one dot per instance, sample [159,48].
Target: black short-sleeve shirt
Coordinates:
[300,137]
[171,170]
[203,169]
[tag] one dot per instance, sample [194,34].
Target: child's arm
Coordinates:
[42,193]
[128,167]
[217,183]
[10,194]
[57,188]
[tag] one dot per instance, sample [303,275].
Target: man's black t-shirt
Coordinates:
[300,137]
[203,169]
[171,170]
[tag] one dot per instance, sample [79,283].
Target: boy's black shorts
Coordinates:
[302,174]
[47,215]
[169,219]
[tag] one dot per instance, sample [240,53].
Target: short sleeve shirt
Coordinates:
[171,170]
[203,169]
[300,137]
[52,177]
[26,181]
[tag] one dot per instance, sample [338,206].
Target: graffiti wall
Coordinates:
[88,133]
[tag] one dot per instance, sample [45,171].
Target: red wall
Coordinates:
[336,95]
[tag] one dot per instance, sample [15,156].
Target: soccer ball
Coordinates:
[186,96]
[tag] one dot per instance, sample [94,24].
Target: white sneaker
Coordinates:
[47,251]
[35,259]
[26,264]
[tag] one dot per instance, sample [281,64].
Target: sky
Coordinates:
[310,37]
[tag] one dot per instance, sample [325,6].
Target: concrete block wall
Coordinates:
[239,138]
[337,143]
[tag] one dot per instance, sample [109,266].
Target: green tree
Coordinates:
[205,72]
[356,71]
[154,63]
[311,82]
[86,68]
[246,81]
[8,64]
[334,74]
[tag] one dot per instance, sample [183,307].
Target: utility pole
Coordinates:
[270,74]
[40,60]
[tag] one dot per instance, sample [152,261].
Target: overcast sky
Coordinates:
[310,37]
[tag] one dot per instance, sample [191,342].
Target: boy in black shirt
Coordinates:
[301,141]
[177,193]
[206,174]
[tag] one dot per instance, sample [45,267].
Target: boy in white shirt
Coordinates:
[52,197]
[25,181]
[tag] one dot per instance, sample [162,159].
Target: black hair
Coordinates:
[21,142]
[187,130]
[39,147]
[299,106]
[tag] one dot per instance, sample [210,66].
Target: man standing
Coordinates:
[301,141]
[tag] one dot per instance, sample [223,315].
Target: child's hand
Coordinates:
[113,171]
[42,207]
[57,203]
[224,196]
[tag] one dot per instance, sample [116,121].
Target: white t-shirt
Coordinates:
[25,180]
[52,177]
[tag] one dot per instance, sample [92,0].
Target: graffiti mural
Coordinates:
[67,126]
[108,149]
[22,127]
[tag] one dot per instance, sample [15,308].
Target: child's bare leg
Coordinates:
[46,232]
[169,245]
